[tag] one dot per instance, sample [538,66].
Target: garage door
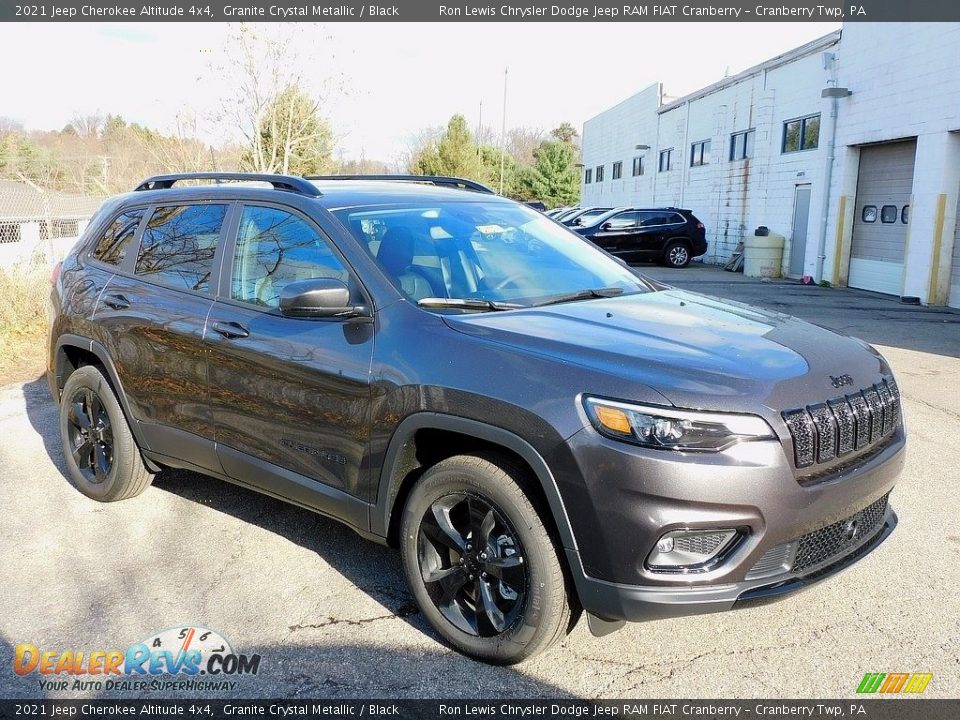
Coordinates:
[954,300]
[882,216]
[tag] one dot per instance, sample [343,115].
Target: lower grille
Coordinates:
[774,561]
[826,543]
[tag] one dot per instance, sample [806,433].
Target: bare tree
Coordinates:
[9,126]
[267,102]
[88,127]
[522,143]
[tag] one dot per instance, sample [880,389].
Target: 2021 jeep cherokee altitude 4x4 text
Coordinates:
[537,428]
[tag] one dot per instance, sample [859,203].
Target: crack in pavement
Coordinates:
[403,612]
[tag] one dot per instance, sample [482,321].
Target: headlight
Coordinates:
[668,429]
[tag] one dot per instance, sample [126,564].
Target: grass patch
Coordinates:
[25,293]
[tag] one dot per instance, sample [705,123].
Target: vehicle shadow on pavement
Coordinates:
[43,415]
[372,568]
[304,672]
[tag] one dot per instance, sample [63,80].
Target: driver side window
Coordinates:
[275,248]
[623,221]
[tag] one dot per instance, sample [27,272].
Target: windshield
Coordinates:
[591,215]
[601,217]
[492,252]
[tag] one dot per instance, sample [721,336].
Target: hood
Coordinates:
[697,351]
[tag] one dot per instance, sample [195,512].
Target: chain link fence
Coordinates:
[39,224]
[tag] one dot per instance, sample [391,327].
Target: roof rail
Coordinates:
[441,180]
[288,183]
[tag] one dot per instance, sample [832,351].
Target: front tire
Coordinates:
[677,254]
[102,457]
[481,563]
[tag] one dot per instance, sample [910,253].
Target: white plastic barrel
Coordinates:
[763,255]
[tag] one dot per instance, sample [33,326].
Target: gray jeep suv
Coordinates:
[538,429]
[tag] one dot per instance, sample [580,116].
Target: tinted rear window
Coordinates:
[179,243]
[113,244]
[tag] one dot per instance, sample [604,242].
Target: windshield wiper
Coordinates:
[467,304]
[586,294]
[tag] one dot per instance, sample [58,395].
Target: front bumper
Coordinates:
[635,496]
[612,601]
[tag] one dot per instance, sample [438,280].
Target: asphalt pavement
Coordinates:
[330,615]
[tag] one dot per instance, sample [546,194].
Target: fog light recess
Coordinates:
[691,550]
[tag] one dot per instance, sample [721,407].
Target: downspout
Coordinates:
[827,179]
[834,93]
[684,156]
[656,145]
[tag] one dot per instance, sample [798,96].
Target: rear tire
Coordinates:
[102,458]
[482,565]
[677,254]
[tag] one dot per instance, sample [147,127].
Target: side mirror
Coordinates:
[319,298]
[607,225]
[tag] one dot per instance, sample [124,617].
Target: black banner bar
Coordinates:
[475,11]
[865,709]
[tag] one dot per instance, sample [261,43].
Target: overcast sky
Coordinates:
[398,78]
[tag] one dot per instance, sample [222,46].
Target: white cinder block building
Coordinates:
[849,146]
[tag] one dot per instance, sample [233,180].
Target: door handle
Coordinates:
[231,330]
[117,302]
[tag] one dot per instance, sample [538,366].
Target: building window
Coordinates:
[905,214]
[801,134]
[869,213]
[741,145]
[599,173]
[617,170]
[666,160]
[889,214]
[700,153]
[588,176]
[638,166]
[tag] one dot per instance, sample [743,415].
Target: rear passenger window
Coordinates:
[113,244]
[179,243]
[655,218]
[275,248]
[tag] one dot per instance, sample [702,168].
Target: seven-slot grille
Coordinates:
[843,425]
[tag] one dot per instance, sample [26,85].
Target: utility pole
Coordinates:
[503,129]
[479,128]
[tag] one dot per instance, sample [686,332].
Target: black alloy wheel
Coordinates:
[100,453]
[472,564]
[90,435]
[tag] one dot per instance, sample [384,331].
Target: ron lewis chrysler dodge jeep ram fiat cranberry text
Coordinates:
[537,428]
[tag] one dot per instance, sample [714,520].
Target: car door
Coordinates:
[650,235]
[615,234]
[152,314]
[290,396]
